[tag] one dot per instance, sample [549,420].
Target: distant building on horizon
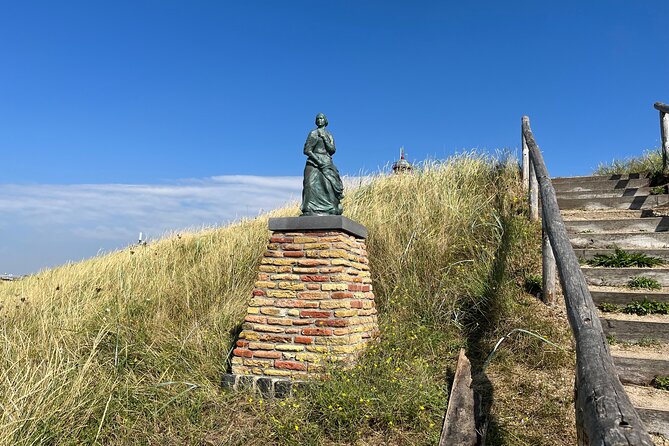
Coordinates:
[402,165]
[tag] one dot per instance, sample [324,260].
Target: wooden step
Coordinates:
[606,193]
[612,177]
[652,406]
[622,296]
[634,203]
[640,365]
[590,253]
[599,185]
[601,276]
[623,240]
[647,224]
[631,328]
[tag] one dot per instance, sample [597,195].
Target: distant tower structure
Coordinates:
[402,165]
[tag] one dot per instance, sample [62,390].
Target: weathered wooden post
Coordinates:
[533,186]
[664,131]
[548,267]
[525,160]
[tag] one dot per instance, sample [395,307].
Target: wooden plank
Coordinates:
[625,297]
[604,413]
[459,427]
[533,195]
[600,276]
[656,420]
[587,254]
[526,162]
[640,371]
[661,107]
[635,330]
[548,268]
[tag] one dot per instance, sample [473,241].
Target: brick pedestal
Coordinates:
[312,304]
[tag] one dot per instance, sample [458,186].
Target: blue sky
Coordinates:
[137,100]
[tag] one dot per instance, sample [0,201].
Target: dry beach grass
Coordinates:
[129,348]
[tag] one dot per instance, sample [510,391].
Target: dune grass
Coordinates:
[129,348]
[649,162]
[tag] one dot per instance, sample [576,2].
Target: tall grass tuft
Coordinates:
[129,348]
[649,162]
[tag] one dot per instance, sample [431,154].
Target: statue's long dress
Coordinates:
[323,190]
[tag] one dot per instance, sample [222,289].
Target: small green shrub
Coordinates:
[611,339]
[650,161]
[533,284]
[609,308]
[624,259]
[645,307]
[647,283]
[658,190]
[661,382]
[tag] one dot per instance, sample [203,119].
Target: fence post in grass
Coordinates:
[533,189]
[525,160]
[548,267]
[664,132]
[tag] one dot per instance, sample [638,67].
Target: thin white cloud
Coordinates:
[103,216]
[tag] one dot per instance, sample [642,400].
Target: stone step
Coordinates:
[632,328]
[623,240]
[634,203]
[623,296]
[598,185]
[629,192]
[640,365]
[652,406]
[647,224]
[600,276]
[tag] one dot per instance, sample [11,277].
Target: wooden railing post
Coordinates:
[664,132]
[526,160]
[548,268]
[533,186]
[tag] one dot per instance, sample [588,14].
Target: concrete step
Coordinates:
[647,224]
[587,254]
[600,276]
[624,295]
[634,203]
[632,328]
[652,406]
[623,240]
[640,365]
[606,193]
[598,185]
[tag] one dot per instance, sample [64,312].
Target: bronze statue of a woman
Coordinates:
[323,189]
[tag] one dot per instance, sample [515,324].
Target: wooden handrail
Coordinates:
[661,107]
[604,413]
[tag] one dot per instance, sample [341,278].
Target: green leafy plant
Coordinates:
[661,382]
[658,190]
[624,259]
[645,307]
[533,283]
[609,308]
[647,283]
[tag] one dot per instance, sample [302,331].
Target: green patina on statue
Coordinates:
[323,189]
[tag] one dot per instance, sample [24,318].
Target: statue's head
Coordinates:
[321,120]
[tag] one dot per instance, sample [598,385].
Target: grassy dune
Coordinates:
[129,348]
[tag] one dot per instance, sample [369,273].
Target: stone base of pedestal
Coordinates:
[312,305]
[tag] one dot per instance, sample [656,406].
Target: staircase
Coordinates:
[602,213]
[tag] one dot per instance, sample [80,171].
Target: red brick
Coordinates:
[266,354]
[275,338]
[304,340]
[315,313]
[313,286]
[312,295]
[357,288]
[242,343]
[315,278]
[292,247]
[293,254]
[303,321]
[342,295]
[259,293]
[310,331]
[332,323]
[281,240]
[243,353]
[278,321]
[293,330]
[290,365]
[256,319]
[356,304]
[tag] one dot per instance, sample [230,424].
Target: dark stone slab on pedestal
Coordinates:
[318,223]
